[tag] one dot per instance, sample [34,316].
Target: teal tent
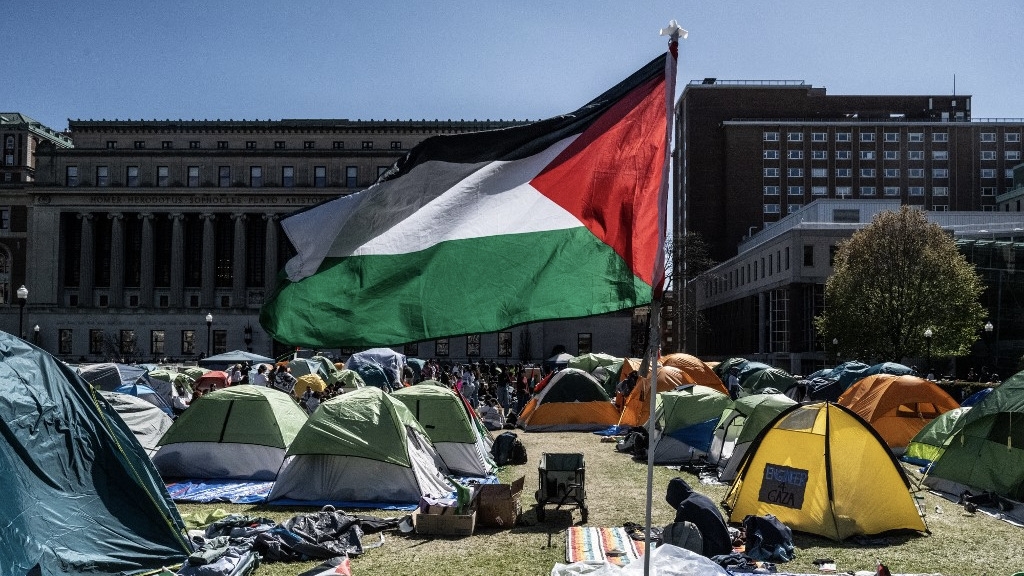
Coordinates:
[81,495]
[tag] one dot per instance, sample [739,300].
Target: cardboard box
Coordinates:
[499,504]
[449,524]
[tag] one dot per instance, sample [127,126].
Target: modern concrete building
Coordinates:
[150,239]
[761,303]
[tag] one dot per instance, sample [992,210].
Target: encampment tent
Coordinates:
[697,370]
[227,359]
[591,361]
[762,379]
[685,423]
[80,494]
[445,418]
[987,453]
[363,446]
[213,380]
[147,422]
[738,427]
[930,442]
[637,407]
[800,469]
[571,400]
[897,407]
[241,433]
[383,360]
[146,394]
[110,376]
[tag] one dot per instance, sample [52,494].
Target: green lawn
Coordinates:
[958,545]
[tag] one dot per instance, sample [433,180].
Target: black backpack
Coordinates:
[767,538]
[508,449]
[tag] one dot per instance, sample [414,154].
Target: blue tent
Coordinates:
[81,494]
[976,397]
[146,393]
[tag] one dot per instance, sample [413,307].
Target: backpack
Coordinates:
[767,538]
[503,448]
[519,452]
[683,535]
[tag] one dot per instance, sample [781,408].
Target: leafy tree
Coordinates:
[894,279]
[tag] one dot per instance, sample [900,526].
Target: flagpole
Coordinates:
[674,32]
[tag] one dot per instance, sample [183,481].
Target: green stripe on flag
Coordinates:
[459,287]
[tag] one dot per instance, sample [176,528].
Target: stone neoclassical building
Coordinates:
[141,229]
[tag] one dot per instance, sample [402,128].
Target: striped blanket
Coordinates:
[587,544]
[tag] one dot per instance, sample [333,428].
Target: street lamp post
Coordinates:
[988,340]
[835,346]
[209,331]
[928,348]
[36,331]
[247,336]
[22,299]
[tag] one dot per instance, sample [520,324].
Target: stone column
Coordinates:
[147,275]
[270,272]
[116,259]
[209,261]
[238,262]
[87,265]
[177,260]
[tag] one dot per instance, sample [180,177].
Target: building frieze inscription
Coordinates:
[198,200]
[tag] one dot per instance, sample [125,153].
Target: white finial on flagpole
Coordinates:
[674,30]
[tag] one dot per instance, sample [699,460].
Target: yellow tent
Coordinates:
[819,468]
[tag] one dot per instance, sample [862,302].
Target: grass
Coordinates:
[616,493]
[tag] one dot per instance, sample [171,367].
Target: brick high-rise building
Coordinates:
[750,152]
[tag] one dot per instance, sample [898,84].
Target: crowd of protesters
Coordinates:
[497,392]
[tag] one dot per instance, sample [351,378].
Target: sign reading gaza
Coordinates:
[783,486]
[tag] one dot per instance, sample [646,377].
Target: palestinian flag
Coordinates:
[473,233]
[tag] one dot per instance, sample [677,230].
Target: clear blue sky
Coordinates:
[516,59]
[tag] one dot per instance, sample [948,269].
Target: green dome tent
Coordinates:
[685,423]
[240,432]
[363,446]
[931,441]
[738,427]
[81,495]
[987,453]
[451,429]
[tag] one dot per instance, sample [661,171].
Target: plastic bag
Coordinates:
[666,560]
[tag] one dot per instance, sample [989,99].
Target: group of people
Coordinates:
[497,393]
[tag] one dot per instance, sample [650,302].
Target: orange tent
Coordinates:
[571,400]
[897,407]
[637,408]
[700,372]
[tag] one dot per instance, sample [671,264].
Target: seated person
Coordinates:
[701,511]
[491,414]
